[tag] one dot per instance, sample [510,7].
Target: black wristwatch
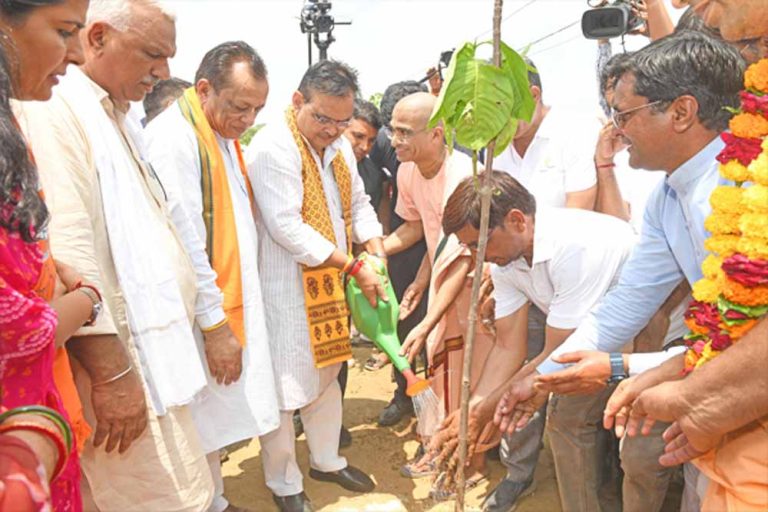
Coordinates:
[617,368]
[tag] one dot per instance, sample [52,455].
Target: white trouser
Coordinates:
[322,425]
[219,503]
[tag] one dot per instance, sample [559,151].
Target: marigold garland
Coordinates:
[733,295]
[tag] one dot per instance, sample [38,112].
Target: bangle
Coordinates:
[604,166]
[356,267]
[380,255]
[348,265]
[48,432]
[95,290]
[215,326]
[47,412]
[116,377]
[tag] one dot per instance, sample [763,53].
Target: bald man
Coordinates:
[425,179]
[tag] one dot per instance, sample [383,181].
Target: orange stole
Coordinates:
[218,212]
[62,370]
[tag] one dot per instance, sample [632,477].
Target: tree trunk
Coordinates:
[469,339]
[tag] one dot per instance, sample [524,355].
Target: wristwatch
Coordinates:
[617,368]
[92,293]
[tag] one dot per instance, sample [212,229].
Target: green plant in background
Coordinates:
[376,99]
[248,134]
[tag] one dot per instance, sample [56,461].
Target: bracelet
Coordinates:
[348,265]
[605,166]
[215,326]
[356,267]
[80,286]
[380,255]
[46,412]
[116,377]
[48,432]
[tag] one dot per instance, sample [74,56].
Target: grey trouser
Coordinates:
[586,456]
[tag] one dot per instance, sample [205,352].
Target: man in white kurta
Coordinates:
[323,106]
[109,219]
[247,407]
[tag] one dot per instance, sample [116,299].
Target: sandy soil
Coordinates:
[380,452]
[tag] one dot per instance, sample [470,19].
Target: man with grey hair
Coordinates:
[312,207]
[194,148]
[110,220]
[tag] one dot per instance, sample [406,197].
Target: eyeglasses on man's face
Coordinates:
[329,121]
[620,118]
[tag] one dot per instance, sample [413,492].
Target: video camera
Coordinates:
[610,20]
[316,17]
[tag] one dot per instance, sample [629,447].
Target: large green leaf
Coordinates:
[451,94]
[516,69]
[504,138]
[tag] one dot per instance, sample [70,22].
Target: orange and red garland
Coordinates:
[733,295]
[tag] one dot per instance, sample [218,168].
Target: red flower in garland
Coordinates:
[753,103]
[705,316]
[720,340]
[737,148]
[745,271]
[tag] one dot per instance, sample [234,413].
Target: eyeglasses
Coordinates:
[327,121]
[749,48]
[620,118]
[403,134]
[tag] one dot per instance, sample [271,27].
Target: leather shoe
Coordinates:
[294,503]
[395,411]
[350,478]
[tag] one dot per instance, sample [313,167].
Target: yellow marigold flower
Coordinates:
[756,76]
[722,223]
[711,267]
[706,290]
[754,225]
[753,248]
[707,355]
[758,169]
[726,199]
[751,126]
[755,198]
[734,171]
[746,295]
[723,245]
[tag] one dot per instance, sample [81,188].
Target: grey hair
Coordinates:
[118,13]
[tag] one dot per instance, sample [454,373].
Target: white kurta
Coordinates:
[248,407]
[274,168]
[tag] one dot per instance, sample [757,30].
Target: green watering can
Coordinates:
[380,323]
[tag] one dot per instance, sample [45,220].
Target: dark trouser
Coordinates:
[402,271]
[343,374]
[589,474]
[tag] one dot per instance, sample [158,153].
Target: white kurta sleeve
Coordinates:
[172,152]
[275,174]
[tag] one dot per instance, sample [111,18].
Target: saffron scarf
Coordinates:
[325,301]
[218,212]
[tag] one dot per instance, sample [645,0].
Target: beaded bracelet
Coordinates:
[50,433]
[46,412]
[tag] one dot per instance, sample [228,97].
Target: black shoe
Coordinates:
[350,478]
[395,411]
[294,503]
[345,437]
[506,496]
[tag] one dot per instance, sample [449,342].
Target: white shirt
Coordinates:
[287,242]
[248,407]
[636,186]
[577,255]
[558,161]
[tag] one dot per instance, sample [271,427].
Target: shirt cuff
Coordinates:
[210,318]
[317,251]
[549,366]
[638,363]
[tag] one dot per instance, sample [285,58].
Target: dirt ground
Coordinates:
[380,452]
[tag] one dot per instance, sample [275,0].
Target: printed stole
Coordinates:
[218,212]
[325,301]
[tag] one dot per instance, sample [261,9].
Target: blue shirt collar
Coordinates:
[696,166]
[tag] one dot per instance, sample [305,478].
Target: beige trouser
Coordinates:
[587,459]
[322,424]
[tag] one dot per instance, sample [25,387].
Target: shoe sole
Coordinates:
[317,475]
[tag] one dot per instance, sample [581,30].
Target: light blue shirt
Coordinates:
[671,248]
